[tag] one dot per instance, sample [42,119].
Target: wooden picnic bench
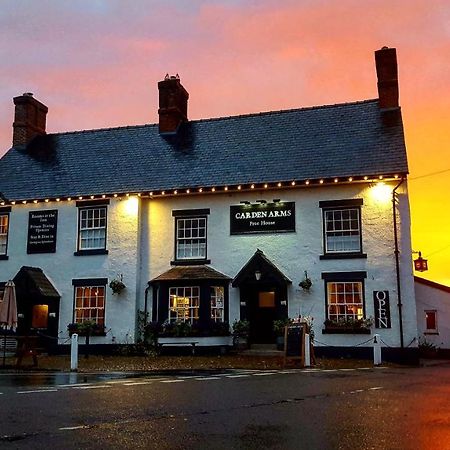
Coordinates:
[176,343]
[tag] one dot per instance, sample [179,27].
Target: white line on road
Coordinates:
[376,388]
[172,381]
[80,427]
[263,374]
[238,376]
[136,383]
[346,370]
[93,387]
[207,378]
[38,391]
[74,385]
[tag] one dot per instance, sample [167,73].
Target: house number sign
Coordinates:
[42,227]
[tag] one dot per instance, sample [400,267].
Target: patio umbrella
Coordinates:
[8,312]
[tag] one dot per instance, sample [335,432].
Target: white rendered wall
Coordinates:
[293,253]
[61,267]
[431,298]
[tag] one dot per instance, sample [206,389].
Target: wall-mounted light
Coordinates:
[420,264]
[257,275]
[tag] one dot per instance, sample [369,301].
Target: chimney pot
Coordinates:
[173,100]
[30,117]
[387,73]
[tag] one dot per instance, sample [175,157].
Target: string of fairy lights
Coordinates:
[208,190]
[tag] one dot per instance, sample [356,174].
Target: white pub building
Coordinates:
[206,222]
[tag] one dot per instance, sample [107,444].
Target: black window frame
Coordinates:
[345,277]
[6,211]
[83,206]
[345,204]
[190,214]
[90,282]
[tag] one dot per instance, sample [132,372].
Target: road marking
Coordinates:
[238,376]
[346,370]
[364,368]
[207,378]
[376,388]
[263,374]
[172,381]
[329,370]
[37,391]
[93,387]
[74,385]
[80,427]
[136,383]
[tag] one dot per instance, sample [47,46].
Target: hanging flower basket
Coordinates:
[306,283]
[117,285]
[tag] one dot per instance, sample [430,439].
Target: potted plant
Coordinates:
[427,349]
[278,328]
[306,283]
[117,285]
[241,330]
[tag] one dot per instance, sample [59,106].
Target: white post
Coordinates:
[376,350]
[74,353]
[307,351]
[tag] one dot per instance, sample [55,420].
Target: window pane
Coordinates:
[191,238]
[184,303]
[342,233]
[92,233]
[430,317]
[90,304]
[345,301]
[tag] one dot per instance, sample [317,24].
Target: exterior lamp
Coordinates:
[257,275]
[420,264]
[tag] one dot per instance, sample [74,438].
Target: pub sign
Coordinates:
[382,309]
[262,218]
[42,227]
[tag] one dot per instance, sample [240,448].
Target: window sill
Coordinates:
[341,330]
[431,332]
[100,251]
[190,262]
[4,257]
[343,256]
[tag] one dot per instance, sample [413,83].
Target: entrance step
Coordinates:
[263,350]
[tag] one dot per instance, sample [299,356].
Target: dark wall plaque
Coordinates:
[42,227]
[262,218]
[382,309]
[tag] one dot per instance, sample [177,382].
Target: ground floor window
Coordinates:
[431,321]
[184,304]
[90,304]
[345,301]
[217,303]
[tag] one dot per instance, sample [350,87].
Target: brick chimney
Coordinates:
[29,119]
[386,64]
[173,99]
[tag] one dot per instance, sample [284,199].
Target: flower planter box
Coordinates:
[344,330]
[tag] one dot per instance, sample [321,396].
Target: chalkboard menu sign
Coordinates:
[42,226]
[262,218]
[294,342]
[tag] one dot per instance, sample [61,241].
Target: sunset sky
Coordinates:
[96,64]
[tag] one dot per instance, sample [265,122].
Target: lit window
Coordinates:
[345,301]
[217,303]
[92,228]
[184,304]
[431,321]
[4,225]
[90,304]
[342,230]
[191,238]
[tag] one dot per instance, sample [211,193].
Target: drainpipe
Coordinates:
[146,303]
[397,264]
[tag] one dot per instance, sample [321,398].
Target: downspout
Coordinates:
[146,303]
[397,264]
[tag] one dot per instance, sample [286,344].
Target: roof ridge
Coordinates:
[212,119]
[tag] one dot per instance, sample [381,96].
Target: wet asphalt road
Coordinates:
[385,408]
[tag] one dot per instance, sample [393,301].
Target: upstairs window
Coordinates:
[92,222]
[4,227]
[191,236]
[342,229]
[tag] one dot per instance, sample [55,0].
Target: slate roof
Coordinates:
[319,142]
[200,272]
[37,281]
